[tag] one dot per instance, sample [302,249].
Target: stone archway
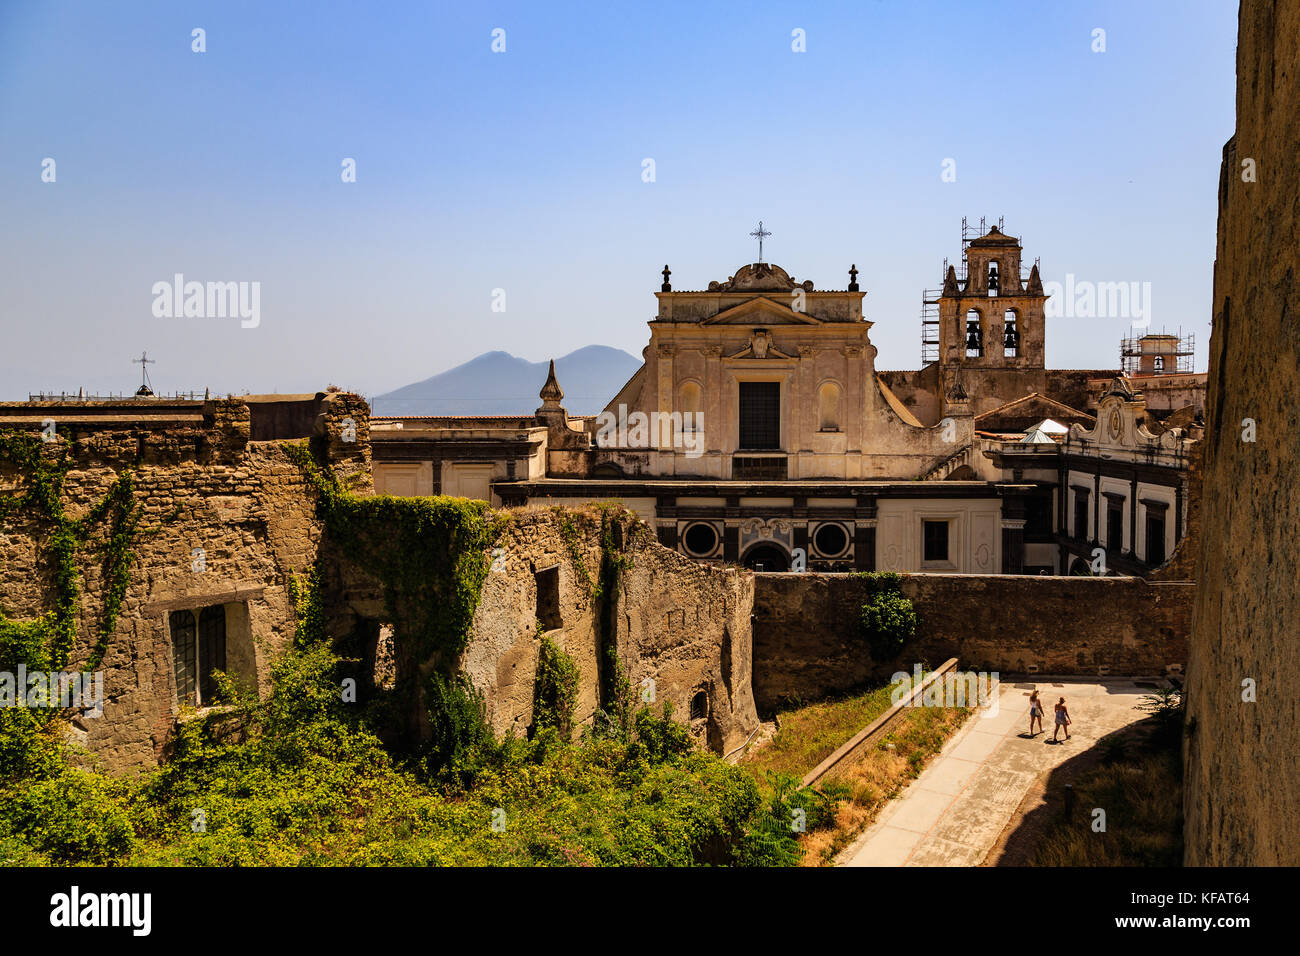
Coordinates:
[766,556]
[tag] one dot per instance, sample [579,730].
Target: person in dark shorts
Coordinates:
[1035,713]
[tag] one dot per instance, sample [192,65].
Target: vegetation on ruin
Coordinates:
[106,530]
[430,554]
[555,689]
[1138,782]
[887,620]
[617,704]
[298,778]
[301,776]
[47,641]
[46,785]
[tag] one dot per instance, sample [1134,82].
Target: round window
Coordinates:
[700,539]
[831,540]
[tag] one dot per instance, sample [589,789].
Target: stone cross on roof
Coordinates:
[760,234]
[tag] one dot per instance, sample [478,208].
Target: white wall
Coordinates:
[974,534]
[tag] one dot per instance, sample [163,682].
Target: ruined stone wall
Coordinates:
[1241,789]
[228,522]
[224,521]
[683,625]
[806,642]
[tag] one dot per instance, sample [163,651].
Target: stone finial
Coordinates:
[551,390]
[1035,286]
[950,282]
[552,413]
[853,277]
[666,287]
[551,393]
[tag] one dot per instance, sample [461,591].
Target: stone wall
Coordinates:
[225,521]
[1241,790]
[806,643]
[683,625]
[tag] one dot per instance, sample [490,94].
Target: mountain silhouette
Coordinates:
[498,383]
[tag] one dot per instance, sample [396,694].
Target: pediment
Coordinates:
[763,311]
[1022,413]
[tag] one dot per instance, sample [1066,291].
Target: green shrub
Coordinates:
[457,720]
[555,690]
[75,817]
[887,620]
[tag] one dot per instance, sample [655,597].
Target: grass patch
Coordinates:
[879,776]
[851,797]
[811,732]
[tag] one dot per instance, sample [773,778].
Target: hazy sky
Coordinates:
[523,171]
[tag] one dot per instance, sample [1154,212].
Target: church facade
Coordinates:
[759,431]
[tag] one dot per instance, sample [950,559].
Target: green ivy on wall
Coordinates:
[46,642]
[555,688]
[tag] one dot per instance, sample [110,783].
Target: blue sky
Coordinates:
[522,171]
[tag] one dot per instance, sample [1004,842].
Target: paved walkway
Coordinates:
[953,813]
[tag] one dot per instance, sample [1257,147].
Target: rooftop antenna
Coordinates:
[145,361]
[760,234]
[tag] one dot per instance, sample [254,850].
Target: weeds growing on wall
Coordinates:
[887,620]
[431,557]
[555,689]
[298,779]
[46,642]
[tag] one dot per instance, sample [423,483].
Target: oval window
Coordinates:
[831,540]
[700,539]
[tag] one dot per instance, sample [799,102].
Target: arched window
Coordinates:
[974,335]
[699,705]
[828,405]
[1010,334]
[993,278]
[689,404]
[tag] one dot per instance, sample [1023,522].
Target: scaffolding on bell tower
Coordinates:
[1157,353]
[930,325]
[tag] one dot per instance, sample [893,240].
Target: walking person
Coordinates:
[1062,720]
[1035,713]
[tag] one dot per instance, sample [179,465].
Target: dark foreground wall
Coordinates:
[806,642]
[1242,788]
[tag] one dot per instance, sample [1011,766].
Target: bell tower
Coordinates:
[991,323]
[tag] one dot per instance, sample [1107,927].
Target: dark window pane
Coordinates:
[212,650]
[1115,526]
[936,540]
[760,414]
[1081,517]
[1038,517]
[1155,539]
[181,625]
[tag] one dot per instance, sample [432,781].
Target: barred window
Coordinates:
[198,650]
[760,415]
